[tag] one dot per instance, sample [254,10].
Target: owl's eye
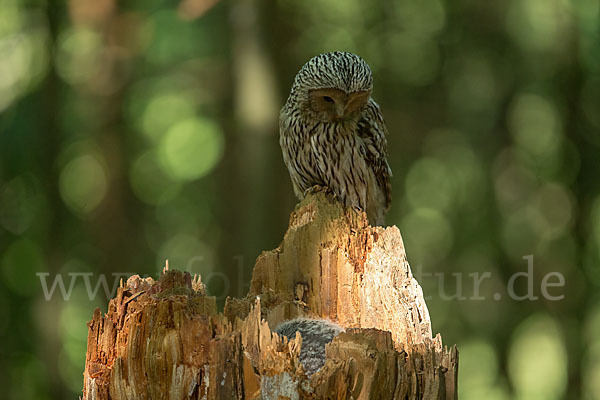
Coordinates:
[328,99]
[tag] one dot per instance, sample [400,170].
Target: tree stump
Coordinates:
[166,340]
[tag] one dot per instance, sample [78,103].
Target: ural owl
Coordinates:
[333,135]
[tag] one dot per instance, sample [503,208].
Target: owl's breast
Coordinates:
[335,140]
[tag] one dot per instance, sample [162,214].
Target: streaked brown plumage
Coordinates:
[333,135]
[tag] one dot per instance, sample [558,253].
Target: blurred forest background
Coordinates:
[135,131]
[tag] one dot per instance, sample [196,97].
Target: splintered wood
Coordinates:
[166,340]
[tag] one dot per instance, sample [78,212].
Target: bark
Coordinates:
[166,340]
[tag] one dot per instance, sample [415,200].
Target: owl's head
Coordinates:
[333,86]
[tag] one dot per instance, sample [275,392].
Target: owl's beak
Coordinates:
[340,110]
[354,102]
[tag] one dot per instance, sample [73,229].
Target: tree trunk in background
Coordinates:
[48,152]
[253,155]
[165,339]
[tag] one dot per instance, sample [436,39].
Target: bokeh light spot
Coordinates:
[429,185]
[155,104]
[83,184]
[191,148]
[538,360]
[479,364]
[428,236]
[539,24]
[77,312]
[554,203]
[591,359]
[78,55]
[591,376]
[187,253]
[478,372]
[23,53]
[11,18]
[535,125]
[164,111]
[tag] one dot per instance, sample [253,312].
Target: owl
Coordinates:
[332,134]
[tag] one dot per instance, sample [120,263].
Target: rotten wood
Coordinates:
[166,339]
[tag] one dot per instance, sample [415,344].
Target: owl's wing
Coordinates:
[371,128]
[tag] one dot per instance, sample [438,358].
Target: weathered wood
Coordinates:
[166,340]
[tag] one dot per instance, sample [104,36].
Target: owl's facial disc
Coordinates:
[334,104]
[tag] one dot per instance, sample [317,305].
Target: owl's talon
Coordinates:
[325,189]
[313,189]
